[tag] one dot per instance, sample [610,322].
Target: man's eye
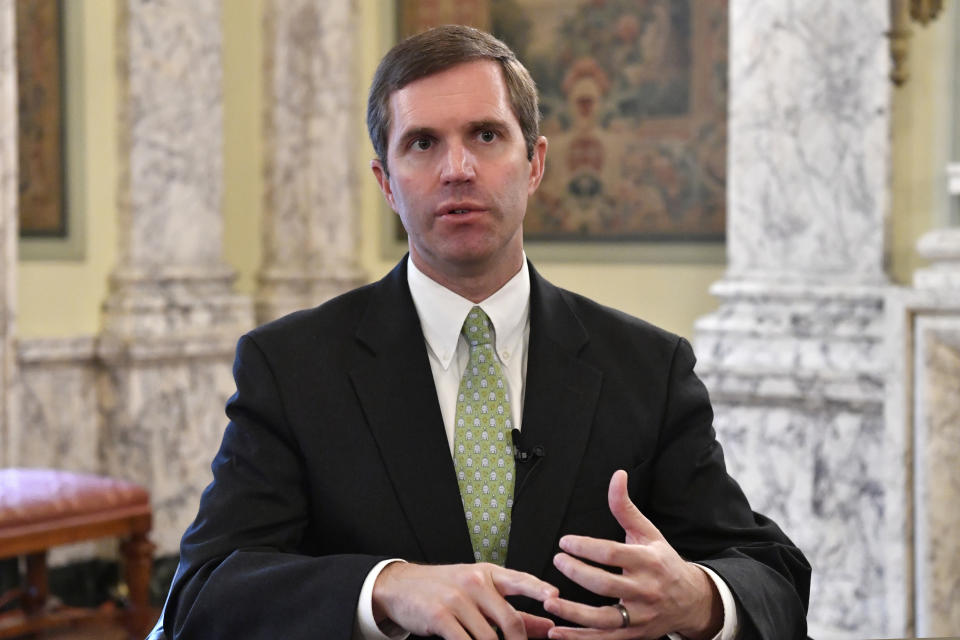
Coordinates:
[421,144]
[487,135]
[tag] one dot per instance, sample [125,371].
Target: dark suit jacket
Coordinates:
[335,457]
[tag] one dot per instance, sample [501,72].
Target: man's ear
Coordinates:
[383,179]
[537,164]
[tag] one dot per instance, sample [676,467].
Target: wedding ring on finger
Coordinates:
[624,614]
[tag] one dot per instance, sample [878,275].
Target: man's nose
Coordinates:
[459,165]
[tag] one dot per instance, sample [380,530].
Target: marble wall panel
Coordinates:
[59,405]
[9,431]
[937,441]
[815,473]
[61,419]
[808,139]
[163,424]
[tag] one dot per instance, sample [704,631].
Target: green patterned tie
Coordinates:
[482,446]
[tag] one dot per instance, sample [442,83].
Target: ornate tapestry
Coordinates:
[40,113]
[633,98]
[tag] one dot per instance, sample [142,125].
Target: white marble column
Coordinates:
[171,319]
[794,357]
[311,216]
[9,425]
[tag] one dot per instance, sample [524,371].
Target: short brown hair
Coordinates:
[437,50]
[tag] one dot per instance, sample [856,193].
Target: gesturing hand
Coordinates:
[459,602]
[660,591]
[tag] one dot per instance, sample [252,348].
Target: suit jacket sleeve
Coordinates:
[245,567]
[704,514]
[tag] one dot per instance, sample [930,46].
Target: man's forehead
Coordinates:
[460,68]
[480,82]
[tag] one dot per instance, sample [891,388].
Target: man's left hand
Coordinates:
[662,593]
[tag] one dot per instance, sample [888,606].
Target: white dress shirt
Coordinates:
[442,313]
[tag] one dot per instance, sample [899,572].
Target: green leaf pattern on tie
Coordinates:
[482,446]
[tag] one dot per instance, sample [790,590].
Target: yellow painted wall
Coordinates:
[921,143]
[63,298]
[243,92]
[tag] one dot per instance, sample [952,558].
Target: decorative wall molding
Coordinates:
[942,248]
[924,334]
[794,345]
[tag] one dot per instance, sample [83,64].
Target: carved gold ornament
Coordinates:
[901,13]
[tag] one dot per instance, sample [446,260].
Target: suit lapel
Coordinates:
[561,393]
[397,392]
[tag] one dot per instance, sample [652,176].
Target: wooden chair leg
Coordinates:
[138,559]
[36,589]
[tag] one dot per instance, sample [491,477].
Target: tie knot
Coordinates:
[477,328]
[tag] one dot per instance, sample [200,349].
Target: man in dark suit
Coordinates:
[343,503]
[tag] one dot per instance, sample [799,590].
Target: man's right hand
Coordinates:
[459,602]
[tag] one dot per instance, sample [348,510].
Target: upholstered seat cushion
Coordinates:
[34,497]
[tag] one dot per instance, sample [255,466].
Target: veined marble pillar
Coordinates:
[9,427]
[311,218]
[794,357]
[171,319]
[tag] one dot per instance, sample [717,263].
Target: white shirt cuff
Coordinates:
[731,623]
[364,625]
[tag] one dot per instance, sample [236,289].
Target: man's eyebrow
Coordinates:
[477,125]
[473,125]
[417,132]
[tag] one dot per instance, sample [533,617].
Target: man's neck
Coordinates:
[475,287]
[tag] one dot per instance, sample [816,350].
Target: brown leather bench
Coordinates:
[43,508]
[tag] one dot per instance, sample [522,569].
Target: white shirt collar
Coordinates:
[442,311]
